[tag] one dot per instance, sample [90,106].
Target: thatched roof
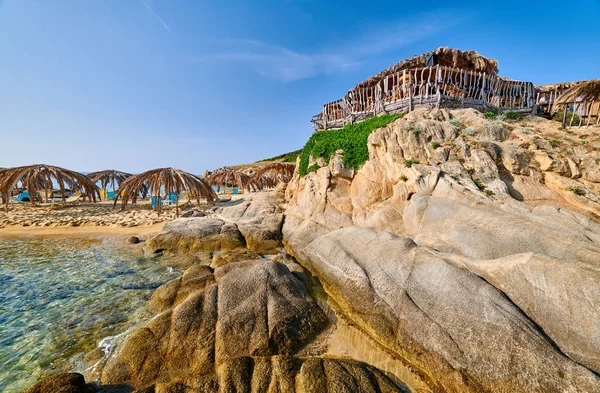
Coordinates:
[43,177]
[467,60]
[581,91]
[164,181]
[230,177]
[270,175]
[108,176]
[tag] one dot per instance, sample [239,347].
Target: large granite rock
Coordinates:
[259,217]
[460,331]
[188,235]
[255,308]
[288,375]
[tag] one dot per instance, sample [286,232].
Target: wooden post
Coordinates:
[438,74]
[564,122]
[410,93]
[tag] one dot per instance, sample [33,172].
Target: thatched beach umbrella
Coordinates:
[109,176]
[273,174]
[43,177]
[230,177]
[167,180]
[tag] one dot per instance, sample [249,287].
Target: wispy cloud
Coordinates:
[287,65]
[155,15]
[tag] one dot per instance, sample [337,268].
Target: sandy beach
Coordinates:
[80,219]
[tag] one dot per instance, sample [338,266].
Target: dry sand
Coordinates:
[100,218]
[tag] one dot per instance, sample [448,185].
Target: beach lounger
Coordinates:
[111,195]
[74,197]
[155,200]
[227,192]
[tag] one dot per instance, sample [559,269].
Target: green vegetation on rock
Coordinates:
[352,139]
[287,157]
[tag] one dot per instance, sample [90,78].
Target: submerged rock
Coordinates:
[61,383]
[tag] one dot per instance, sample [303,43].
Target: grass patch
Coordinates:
[488,192]
[555,143]
[287,157]
[403,178]
[352,139]
[457,123]
[578,190]
[558,116]
[435,145]
[513,115]
[490,115]
[409,163]
[479,183]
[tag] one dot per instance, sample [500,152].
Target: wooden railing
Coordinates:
[583,113]
[435,86]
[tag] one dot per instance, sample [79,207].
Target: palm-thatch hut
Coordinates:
[444,77]
[581,99]
[227,177]
[108,176]
[41,177]
[469,60]
[271,175]
[164,181]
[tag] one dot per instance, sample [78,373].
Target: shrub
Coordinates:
[435,145]
[409,162]
[470,171]
[403,178]
[313,168]
[578,190]
[479,183]
[555,143]
[513,115]
[558,116]
[469,131]
[490,115]
[352,139]
[489,192]
[461,160]
[457,123]
[584,142]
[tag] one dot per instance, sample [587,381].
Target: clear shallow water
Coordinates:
[60,297]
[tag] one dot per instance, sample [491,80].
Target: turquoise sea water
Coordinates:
[62,298]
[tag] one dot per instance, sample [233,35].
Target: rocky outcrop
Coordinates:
[472,259]
[290,375]
[455,327]
[253,222]
[61,383]
[259,217]
[188,235]
[255,308]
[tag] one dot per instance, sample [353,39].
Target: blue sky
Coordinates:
[138,84]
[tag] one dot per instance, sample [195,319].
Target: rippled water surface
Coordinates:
[60,297]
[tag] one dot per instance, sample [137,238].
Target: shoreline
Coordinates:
[12,232]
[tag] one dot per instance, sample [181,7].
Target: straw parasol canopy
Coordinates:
[109,176]
[467,60]
[230,177]
[580,91]
[167,181]
[271,175]
[43,177]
